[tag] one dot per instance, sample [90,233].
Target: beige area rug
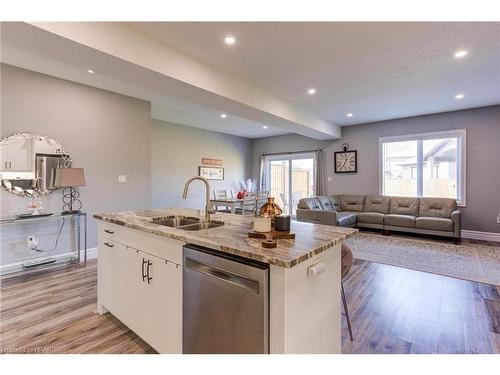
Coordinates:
[473,262]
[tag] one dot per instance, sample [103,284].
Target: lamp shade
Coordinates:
[69,177]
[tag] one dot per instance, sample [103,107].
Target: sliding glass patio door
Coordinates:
[289,178]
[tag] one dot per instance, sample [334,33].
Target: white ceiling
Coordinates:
[377,71]
[163,107]
[30,48]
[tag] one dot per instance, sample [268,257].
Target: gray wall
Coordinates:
[105,133]
[176,153]
[483,157]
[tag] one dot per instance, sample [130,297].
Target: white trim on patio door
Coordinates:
[290,157]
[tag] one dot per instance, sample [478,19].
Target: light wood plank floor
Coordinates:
[55,312]
[397,310]
[393,310]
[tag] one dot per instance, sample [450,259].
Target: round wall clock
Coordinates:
[346,161]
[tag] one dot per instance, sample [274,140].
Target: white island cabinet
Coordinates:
[140,282]
[141,278]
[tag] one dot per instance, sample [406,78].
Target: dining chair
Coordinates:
[261,199]
[221,194]
[284,201]
[248,206]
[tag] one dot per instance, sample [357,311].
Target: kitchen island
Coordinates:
[141,264]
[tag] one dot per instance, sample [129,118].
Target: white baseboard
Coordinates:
[485,236]
[92,253]
[8,268]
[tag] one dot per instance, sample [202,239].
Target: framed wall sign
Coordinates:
[346,161]
[211,173]
[209,161]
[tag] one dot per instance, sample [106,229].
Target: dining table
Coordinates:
[232,203]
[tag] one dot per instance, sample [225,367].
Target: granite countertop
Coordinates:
[232,237]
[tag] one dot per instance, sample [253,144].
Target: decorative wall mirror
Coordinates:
[28,163]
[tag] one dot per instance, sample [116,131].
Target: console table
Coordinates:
[79,217]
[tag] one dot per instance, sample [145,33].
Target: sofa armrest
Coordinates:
[456,217]
[317,216]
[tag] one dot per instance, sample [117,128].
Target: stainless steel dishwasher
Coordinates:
[225,303]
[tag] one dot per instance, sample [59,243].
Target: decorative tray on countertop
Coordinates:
[271,237]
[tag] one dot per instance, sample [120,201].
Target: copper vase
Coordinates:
[270,209]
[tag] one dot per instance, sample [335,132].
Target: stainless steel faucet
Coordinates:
[208,209]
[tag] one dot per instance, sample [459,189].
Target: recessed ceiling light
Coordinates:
[460,54]
[459,96]
[223,115]
[311,91]
[264,127]
[229,40]
[349,114]
[90,71]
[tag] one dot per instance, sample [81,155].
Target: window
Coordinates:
[424,165]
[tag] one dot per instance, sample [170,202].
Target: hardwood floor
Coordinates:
[397,310]
[393,310]
[54,312]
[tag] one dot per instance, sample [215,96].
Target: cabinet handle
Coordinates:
[109,231]
[149,265]
[108,244]
[143,273]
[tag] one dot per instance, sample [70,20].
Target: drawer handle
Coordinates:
[109,231]
[149,277]
[108,244]
[143,273]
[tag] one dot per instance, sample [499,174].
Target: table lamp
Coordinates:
[69,178]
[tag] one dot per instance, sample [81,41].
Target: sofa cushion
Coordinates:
[335,202]
[434,223]
[352,202]
[400,220]
[437,207]
[309,204]
[371,218]
[377,203]
[404,206]
[326,203]
[345,218]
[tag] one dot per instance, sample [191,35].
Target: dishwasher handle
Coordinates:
[223,275]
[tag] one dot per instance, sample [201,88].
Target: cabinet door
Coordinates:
[165,307]
[106,273]
[20,155]
[4,157]
[131,289]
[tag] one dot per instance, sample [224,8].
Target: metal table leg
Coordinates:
[85,239]
[78,235]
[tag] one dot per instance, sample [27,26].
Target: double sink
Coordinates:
[187,222]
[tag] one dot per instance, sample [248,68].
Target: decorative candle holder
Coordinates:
[282,223]
[270,209]
[262,224]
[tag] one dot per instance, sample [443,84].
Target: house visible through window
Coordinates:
[424,165]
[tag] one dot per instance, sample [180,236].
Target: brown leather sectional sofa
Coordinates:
[432,216]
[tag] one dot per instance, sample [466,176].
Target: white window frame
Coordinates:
[461,157]
[289,156]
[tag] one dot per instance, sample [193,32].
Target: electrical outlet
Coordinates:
[122,178]
[32,243]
